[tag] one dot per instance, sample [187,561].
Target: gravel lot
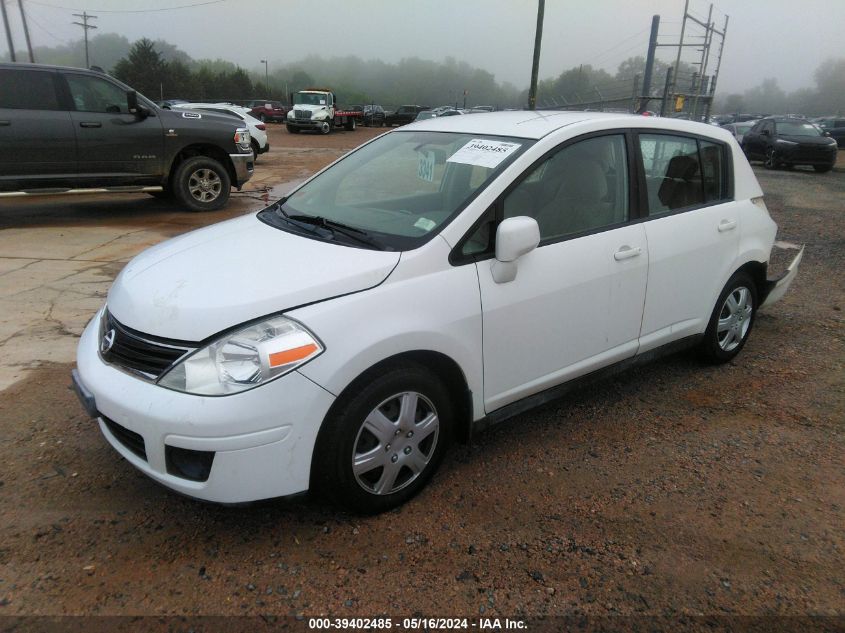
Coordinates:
[673,490]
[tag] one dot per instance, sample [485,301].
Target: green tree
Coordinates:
[143,69]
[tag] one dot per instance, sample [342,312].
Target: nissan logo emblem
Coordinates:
[107,342]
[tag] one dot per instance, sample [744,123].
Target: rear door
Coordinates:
[114,146]
[37,141]
[692,231]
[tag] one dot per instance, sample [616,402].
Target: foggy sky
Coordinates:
[765,38]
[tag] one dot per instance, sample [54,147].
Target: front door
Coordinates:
[113,145]
[576,303]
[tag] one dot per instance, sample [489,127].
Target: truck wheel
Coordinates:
[292,130]
[324,127]
[350,124]
[201,184]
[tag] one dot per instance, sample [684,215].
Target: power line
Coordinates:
[183,6]
[43,28]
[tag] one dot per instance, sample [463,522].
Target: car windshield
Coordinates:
[742,128]
[309,98]
[796,128]
[400,189]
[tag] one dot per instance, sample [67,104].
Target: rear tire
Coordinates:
[384,439]
[731,321]
[201,184]
[325,127]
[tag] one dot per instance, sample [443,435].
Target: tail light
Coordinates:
[261,127]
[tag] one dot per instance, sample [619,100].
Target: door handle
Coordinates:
[727,225]
[90,124]
[626,252]
[5,123]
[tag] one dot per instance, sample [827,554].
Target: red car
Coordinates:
[266,110]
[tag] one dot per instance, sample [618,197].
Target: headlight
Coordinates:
[785,143]
[244,359]
[290,114]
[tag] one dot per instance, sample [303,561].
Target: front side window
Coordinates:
[400,189]
[92,94]
[582,187]
[27,90]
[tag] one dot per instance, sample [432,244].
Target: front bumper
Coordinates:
[306,124]
[259,442]
[804,156]
[244,167]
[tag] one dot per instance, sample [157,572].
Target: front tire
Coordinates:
[324,127]
[201,184]
[382,442]
[771,160]
[731,321]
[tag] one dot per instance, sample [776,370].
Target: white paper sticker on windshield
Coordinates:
[425,224]
[483,152]
[425,166]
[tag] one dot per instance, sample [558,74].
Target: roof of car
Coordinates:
[537,124]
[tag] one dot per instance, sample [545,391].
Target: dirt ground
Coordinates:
[677,489]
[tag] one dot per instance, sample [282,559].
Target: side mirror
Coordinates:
[133,107]
[515,237]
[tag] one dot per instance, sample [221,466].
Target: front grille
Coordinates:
[130,439]
[302,115]
[136,352]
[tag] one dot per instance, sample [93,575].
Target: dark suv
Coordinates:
[789,141]
[68,128]
[405,114]
[371,115]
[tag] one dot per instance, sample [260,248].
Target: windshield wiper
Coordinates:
[334,226]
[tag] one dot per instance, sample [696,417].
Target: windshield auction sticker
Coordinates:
[483,153]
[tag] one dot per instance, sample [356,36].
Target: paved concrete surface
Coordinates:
[59,254]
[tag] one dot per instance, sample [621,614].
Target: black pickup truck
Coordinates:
[65,129]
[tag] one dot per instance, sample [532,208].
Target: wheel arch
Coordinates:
[439,364]
[758,272]
[201,149]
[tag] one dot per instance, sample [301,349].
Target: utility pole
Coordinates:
[8,31]
[649,64]
[535,66]
[26,32]
[85,26]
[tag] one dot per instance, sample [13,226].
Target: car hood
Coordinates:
[821,141]
[196,285]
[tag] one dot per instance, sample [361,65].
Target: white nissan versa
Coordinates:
[437,279]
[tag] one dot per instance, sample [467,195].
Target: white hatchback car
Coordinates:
[257,129]
[439,278]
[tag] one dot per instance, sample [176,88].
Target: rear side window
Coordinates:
[682,172]
[27,90]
